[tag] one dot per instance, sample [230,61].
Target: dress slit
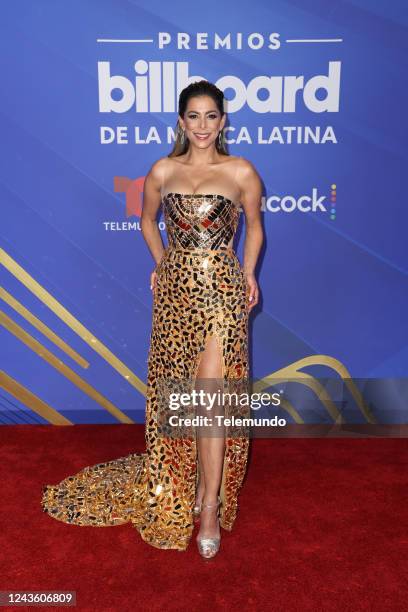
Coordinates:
[222,376]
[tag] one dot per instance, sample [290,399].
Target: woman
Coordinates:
[202,298]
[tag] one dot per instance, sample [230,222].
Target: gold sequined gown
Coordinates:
[201,290]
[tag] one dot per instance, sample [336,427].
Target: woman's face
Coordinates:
[202,118]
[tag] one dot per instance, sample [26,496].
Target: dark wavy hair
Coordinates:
[198,88]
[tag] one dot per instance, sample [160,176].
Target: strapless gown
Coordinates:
[201,291]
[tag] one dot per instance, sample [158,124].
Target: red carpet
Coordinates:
[322,526]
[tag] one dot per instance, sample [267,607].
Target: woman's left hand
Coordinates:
[252,291]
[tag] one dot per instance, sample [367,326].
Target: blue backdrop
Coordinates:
[317,100]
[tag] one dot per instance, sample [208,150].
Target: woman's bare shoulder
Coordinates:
[245,168]
[158,168]
[160,163]
[248,178]
[243,162]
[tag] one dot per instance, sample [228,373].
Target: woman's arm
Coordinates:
[151,205]
[251,193]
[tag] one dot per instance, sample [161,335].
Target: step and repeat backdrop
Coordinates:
[316,97]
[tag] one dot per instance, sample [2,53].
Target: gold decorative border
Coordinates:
[57,308]
[44,329]
[293,373]
[56,363]
[32,401]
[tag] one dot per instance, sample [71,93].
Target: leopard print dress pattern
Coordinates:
[200,291]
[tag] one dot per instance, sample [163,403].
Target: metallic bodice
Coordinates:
[203,221]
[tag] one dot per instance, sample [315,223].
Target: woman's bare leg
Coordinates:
[211,444]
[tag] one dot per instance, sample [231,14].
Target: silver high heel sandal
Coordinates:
[208,547]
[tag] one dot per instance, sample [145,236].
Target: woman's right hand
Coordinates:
[153,280]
